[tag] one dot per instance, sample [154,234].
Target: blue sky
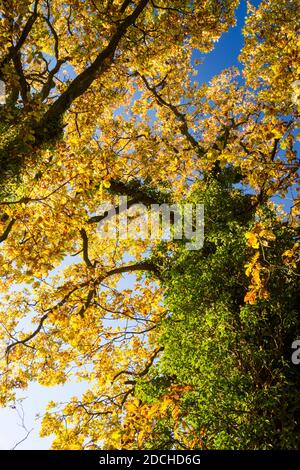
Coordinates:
[224,55]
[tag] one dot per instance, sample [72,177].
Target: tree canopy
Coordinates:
[101,101]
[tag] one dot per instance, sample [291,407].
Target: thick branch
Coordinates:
[13,50]
[24,87]
[7,231]
[50,84]
[103,61]
[125,4]
[144,371]
[85,243]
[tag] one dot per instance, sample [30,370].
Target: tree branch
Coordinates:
[52,29]
[24,87]
[144,371]
[49,84]
[125,4]
[180,116]
[138,193]
[85,243]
